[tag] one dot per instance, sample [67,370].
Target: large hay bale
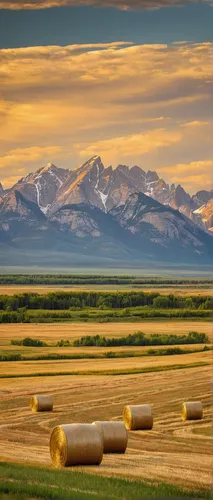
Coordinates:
[192,410]
[138,417]
[76,444]
[115,436]
[41,403]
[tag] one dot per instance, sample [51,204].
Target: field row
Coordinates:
[52,332]
[101,366]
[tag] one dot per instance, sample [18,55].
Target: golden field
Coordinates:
[52,332]
[165,290]
[174,451]
[99,365]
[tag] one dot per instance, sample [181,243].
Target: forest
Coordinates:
[75,279]
[102,300]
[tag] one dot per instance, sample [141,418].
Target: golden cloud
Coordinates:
[196,174]
[146,102]
[119,4]
[195,123]
[131,145]
[24,158]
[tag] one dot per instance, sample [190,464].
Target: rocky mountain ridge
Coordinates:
[42,186]
[141,229]
[52,188]
[104,213]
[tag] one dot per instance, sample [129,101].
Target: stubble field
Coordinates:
[173,451]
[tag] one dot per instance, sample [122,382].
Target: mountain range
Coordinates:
[105,215]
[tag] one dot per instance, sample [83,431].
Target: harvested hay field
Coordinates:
[174,451]
[101,366]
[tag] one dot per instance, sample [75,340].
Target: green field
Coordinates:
[72,485]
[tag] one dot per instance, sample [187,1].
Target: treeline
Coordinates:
[109,316]
[101,300]
[135,339]
[61,279]
[140,339]
[95,316]
[29,342]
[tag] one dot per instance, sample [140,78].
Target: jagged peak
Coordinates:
[95,160]
[48,167]
[152,175]
[142,199]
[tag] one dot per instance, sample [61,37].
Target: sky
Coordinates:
[129,80]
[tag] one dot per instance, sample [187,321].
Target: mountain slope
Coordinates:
[42,186]
[171,233]
[94,232]
[140,230]
[20,218]
[204,215]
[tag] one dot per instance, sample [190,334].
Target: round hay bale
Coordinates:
[192,411]
[138,417]
[76,444]
[41,403]
[114,435]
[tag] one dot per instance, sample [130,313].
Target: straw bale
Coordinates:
[138,417]
[192,410]
[115,436]
[41,403]
[76,444]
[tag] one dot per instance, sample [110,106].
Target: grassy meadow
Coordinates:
[95,383]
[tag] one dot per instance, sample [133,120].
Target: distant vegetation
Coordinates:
[169,351]
[135,339]
[140,339]
[66,279]
[101,306]
[28,342]
[101,300]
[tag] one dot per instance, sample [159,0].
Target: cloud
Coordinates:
[195,123]
[195,174]
[119,4]
[147,104]
[13,165]
[131,145]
